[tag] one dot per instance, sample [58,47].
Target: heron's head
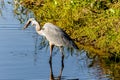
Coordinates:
[31,21]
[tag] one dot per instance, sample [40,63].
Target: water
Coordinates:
[23,57]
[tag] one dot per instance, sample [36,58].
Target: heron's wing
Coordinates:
[69,42]
[57,33]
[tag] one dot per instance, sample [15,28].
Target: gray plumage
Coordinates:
[55,35]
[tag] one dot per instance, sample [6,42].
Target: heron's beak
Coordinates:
[27,24]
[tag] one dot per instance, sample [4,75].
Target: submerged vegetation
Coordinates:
[93,24]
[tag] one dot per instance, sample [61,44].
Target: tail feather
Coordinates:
[74,45]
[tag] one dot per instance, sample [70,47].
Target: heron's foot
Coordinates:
[62,64]
[50,60]
[62,61]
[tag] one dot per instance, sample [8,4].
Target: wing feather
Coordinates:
[57,35]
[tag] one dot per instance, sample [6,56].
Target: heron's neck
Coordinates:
[37,27]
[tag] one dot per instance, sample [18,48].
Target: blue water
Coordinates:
[22,57]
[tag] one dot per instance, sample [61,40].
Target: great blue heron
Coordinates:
[55,35]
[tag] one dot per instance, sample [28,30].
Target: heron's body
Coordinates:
[55,35]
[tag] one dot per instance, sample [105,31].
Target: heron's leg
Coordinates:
[62,61]
[51,72]
[51,49]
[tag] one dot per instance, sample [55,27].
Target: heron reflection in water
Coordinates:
[52,77]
